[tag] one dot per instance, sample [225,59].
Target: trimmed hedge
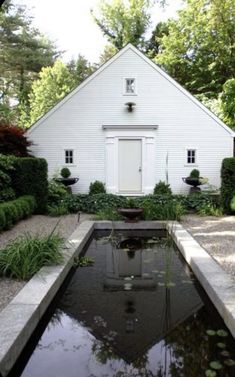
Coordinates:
[15,210]
[30,178]
[228,183]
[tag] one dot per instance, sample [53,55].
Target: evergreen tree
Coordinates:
[23,52]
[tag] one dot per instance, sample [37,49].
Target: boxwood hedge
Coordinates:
[227,183]
[30,178]
[13,211]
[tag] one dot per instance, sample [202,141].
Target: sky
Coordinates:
[70,24]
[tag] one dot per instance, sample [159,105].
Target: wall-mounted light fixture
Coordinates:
[130,106]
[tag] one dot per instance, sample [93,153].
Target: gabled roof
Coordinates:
[129,46]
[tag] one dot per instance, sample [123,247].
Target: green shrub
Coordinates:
[15,210]
[108,214]
[75,203]
[56,192]
[99,202]
[196,201]
[131,203]
[2,219]
[141,201]
[6,167]
[57,210]
[5,180]
[65,173]
[7,194]
[232,205]
[30,178]
[227,183]
[24,256]
[162,188]
[97,187]
[11,214]
[210,209]
[195,173]
[171,210]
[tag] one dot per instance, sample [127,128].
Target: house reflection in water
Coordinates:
[127,293]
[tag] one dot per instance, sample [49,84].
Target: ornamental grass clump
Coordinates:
[24,256]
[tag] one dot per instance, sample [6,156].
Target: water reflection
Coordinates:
[157,328]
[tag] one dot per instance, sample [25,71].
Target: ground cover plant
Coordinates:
[156,207]
[24,256]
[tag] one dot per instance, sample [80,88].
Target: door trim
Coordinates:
[148,138]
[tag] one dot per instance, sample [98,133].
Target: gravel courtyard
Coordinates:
[215,235]
[38,224]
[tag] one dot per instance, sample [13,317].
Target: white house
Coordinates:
[130,125]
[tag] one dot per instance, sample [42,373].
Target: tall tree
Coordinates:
[199,50]
[124,21]
[109,51]
[154,45]
[80,68]
[227,103]
[53,84]
[23,52]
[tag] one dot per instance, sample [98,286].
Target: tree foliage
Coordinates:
[23,52]
[227,102]
[53,84]
[124,21]
[199,50]
[80,69]
[154,45]
[13,141]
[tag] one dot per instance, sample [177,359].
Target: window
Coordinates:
[191,156]
[68,156]
[130,86]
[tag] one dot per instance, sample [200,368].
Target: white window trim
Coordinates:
[186,156]
[124,86]
[64,157]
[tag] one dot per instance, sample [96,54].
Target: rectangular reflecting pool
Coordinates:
[136,311]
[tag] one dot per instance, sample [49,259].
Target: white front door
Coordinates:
[130,165]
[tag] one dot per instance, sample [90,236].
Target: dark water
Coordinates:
[138,311]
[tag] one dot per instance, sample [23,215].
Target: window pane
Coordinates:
[69,156]
[130,85]
[191,156]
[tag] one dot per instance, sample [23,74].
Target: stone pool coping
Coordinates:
[20,318]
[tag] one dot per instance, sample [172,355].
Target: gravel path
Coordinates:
[35,225]
[217,236]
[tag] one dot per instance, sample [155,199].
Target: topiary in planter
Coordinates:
[65,173]
[195,173]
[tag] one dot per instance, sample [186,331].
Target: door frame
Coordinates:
[148,138]
[118,188]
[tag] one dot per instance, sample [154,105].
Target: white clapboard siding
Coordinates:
[77,122]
